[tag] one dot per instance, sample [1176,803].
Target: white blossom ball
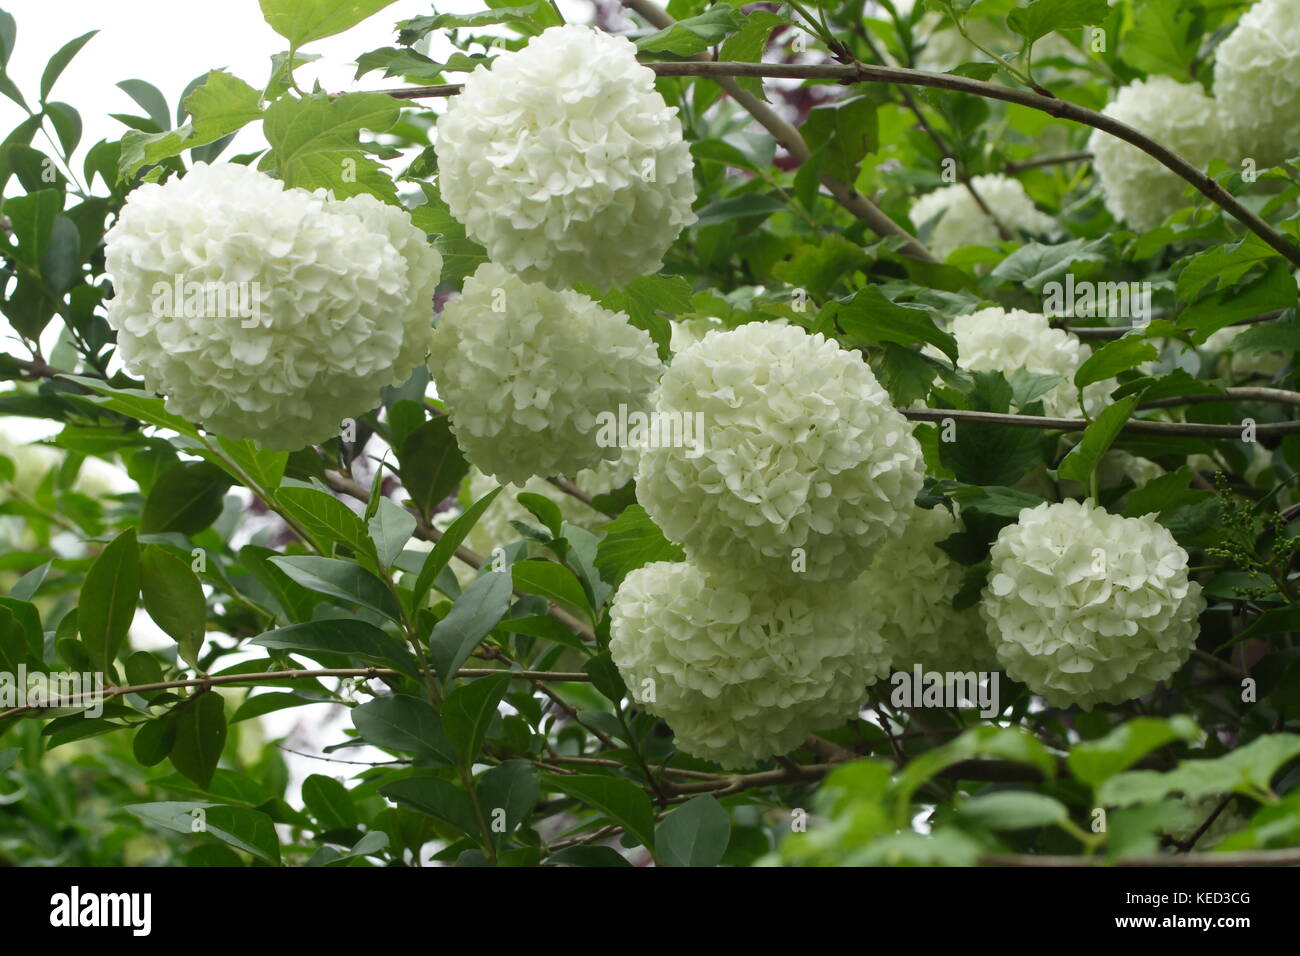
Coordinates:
[911,584]
[565,163]
[1257,82]
[742,673]
[1004,340]
[801,449]
[961,221]
[308,305]
[1086,607]
[1137,189]
[526,371]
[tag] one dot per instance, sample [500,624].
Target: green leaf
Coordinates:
[471,618]
[846,132]
[200,737]
[632,540]
[154,740]
[1248,769]
[302,21]
[530,18]
[403,724]
[329,802]
[353,639]
[245,829]
[510,788]
[694,34]
[646,301]
[261,704]
[315,142]
[467,714]
[1163,38]
[150,99]
[341,579]
[61,258]
[1165,493]
[1221,267]
[435,797]
[871,317]
[1095,761]
[817,267]
[1096,441]
[605,676]
[553,581]
[991,454]
[221,105]
[134,403]
[461,255]
[329,521]
[446,547]
[1275,289]
[390,529]
[695,834]
[1042,17]
[174,599]
[747,46]
[1035,264]
[620,800]
[187,497]
[59,62]
[108,599]
[432,464]
[1113,358]
[265,468]
[1013,810]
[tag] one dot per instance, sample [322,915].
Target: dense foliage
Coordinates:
[994,368]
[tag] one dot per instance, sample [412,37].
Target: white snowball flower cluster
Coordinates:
[1086,607]
[911,584]
[525,370]
[564,162]
[742,673]
[338,296]
[1257,82]
[1004,340]
[1138,190]
[962,222]
[802,449]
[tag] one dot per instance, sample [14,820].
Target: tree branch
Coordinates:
[1133,425]
[858,72]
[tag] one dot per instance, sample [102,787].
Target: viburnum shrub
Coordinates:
[717,438]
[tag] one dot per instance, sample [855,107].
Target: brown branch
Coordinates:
[1119,331]
[1132,426]
[1280,396]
